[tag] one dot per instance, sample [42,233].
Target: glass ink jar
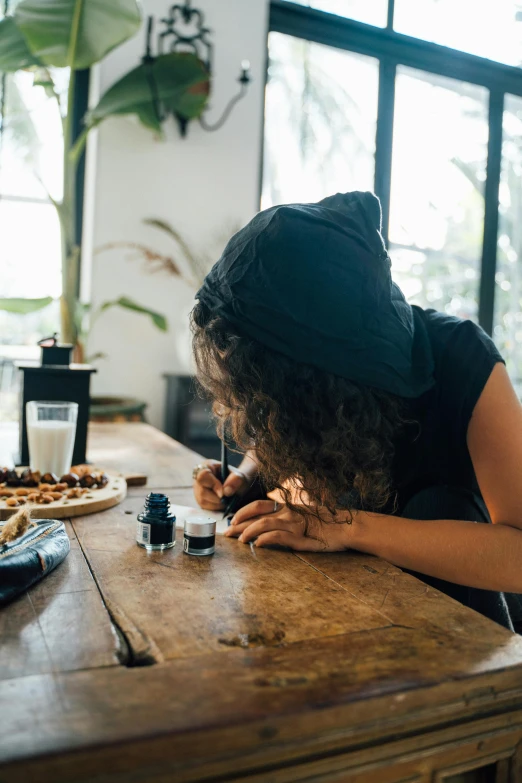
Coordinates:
[156,528]
[199,537]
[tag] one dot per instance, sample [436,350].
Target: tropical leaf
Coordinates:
[168,79]
[43,78]
[178,80]
[76,33]
[24,306]
[14,51]
[129,304]
[93,357]
[163,225]
[156,261]
[19,126]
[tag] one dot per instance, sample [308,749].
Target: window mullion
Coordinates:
[491,190]
[384,139]
[391,9]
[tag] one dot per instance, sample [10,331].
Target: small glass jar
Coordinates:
[199,536]
[156,528]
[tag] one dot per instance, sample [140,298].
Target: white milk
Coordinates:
[51,445]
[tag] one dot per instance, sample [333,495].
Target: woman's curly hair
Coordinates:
[335,438]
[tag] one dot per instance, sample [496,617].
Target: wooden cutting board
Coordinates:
[93,501]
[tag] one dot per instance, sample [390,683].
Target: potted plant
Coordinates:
[44,35]
[184,261]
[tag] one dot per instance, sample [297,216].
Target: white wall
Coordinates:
[203,185]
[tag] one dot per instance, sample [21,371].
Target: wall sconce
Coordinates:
[184,31]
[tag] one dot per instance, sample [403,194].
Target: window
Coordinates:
[30,166]
[508,278]
[440,136]
[420,101]
[369,11]
[31,152]
[487,28]
[322,108]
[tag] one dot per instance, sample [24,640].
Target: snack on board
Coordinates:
[50,478]
[12,478]
[71,479]
[19,487]
[30,478]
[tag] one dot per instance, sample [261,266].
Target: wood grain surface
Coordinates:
[60,625]
[89,503]
[125,665]
[136,447]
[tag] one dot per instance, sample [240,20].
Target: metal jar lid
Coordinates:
[200,527]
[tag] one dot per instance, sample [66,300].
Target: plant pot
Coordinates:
[106,409]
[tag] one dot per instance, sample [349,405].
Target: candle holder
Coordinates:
[184,30]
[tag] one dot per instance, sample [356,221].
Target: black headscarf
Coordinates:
[313,282]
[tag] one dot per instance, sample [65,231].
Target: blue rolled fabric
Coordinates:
[313,282]
[29,558]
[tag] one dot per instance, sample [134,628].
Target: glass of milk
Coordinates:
[51,429]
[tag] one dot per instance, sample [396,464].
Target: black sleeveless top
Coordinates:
[432,450]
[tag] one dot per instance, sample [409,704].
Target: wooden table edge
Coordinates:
[287,739]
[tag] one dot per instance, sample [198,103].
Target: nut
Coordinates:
[88,480]
[34,497]
[11,501]
[46,498]
[49,478]
[12,478]
[61,487]
[81,470]
[45,488]
[76,492]
[71,479]
[21,491]
[102,480]
[30,478]
[56,495]
[6,493]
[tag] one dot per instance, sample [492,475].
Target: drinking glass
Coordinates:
[51,429]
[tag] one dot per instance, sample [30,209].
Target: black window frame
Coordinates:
[391,49]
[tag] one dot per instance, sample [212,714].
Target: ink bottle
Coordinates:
[156,528]
[199,536]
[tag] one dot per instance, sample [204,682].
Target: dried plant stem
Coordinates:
[17,526]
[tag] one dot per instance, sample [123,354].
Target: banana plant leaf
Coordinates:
[76,33]
[178,80]
[129,304]
[14,51]
[43,78]
[20,120]
[24,306]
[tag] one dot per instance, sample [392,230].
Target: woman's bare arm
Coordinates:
[477,555]
[468,553]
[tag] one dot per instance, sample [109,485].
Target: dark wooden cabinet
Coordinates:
[188,418]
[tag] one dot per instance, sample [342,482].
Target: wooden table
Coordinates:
[128,666]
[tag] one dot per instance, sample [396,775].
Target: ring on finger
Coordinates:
[196,470]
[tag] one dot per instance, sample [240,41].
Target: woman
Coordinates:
[386,428]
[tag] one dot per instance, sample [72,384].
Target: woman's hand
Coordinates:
[269,523]
[210,493]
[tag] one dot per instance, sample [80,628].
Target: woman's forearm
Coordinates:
[467,553]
